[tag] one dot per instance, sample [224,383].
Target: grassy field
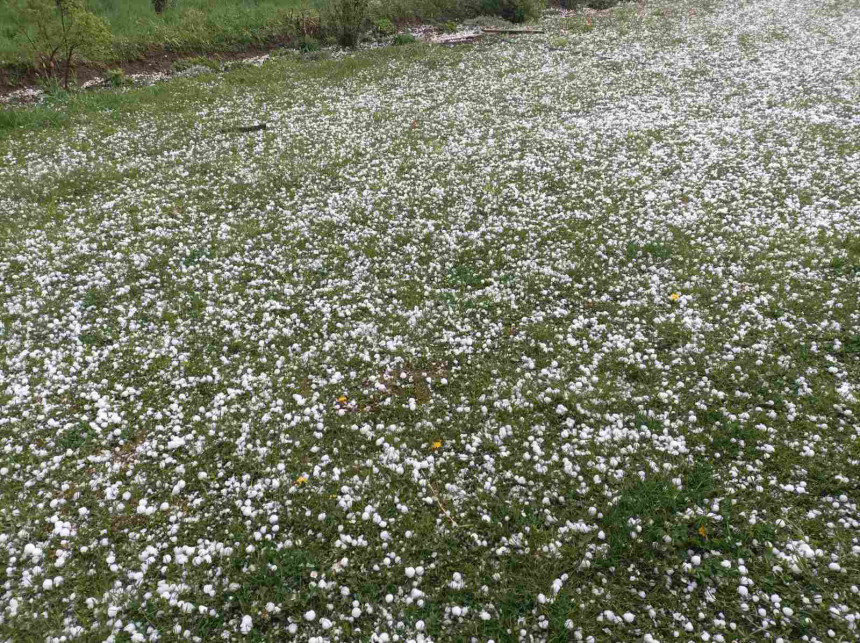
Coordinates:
[546,338]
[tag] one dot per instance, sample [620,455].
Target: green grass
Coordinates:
[208,26]
[583,351]
[186,25]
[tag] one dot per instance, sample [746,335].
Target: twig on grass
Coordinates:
[247,128]
[441,506]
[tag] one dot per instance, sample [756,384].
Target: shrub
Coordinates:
[115,78]
[59,32]
[384,27]
[348,19]
[404,39]
[515,11]
[309,43]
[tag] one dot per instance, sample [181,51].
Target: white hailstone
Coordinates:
[356,612]
[410,572]
[628,617]
[696,560]
[247,624]
[310,615]
[47,583]
[419,625]
[325,623]
[456,610]
[389,598]
[788,611]
[742,590]
[299,399]
[292,628]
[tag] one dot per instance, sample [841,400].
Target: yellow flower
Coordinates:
[342,399]
[301,480]
[437,444]
[675,296]
[702,532]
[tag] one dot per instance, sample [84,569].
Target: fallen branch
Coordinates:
[511,31]
[247,128]
[441,506]
[460,41]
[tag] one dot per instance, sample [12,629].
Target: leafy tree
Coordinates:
[61,31]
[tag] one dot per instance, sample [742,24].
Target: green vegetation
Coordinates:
[204,26]
[534,339]
[58,32]
[404,39]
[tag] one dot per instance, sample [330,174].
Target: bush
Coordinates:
[404,39]
[115,78]
[383,28]
[515,11]
[348,20]
[309,43]
[59,32]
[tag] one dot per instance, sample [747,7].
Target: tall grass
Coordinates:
[185,25]
[222,25]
